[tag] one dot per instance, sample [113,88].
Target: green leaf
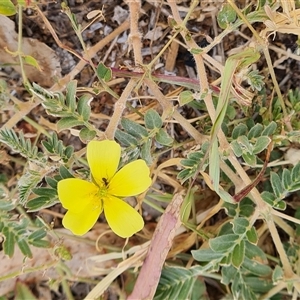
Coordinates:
[56,147]
[163,137]
[64,172]
[185,210]
[228,273]
[31,61]
[43,191]
[71,95]
[146,152]
[244,144]
[249,158]
[270,129]
[214,165]
[185,97]
[47,146]
[231,112]
[246,207]
[223,243]
[69,150]
[236,148]
[206,255]
[268,197]
[7,8]
[9,241]
[225,196]
[26,183]
[40,243]
[231,209]
[52,182]
[83,107]
[195,156]
[134,128]
[226,16]
[256,268]
[252,235]
[259,285]
[239,130]
[280,205]
[240,225]
[227,228]
[176,283]
[189,163]
[255,131]
[23,292]
[24,247]
[255,80]
[19,144]
[104,72]
[6,205]
[276,185]
[199,290]
[125,138]
[277,275]
[261,144]
[253,251]
[286,179]
[296,173]
[68,123]
[153,120]
[238,254]
[40,202]
[37,235]
[87,135]
[196,51]
[226,259]
[240,290]
[185,174]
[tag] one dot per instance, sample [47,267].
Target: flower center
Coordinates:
[101,194]
[99,197]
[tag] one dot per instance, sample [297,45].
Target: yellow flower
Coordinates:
[85,200]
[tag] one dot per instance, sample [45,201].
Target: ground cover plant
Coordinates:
[149,149]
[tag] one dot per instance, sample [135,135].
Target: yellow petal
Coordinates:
[75,194]
[81,222]
[131,180]
[103,158]
[123,219]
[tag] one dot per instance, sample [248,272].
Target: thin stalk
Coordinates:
[22,271]
[77,30]
[37,126]
[288,271]
[64,283]
[153,205]
[135,35]
[120,105]
[19,51]
[264,46]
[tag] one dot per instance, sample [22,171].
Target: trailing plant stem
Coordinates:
[19,51]
[263,44]
[120,105]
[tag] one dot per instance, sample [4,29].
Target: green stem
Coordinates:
[64,282]
[37,126]
[23,213]
[264,46]
[77,30]
[25,80]
[153,205]
[27,270]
